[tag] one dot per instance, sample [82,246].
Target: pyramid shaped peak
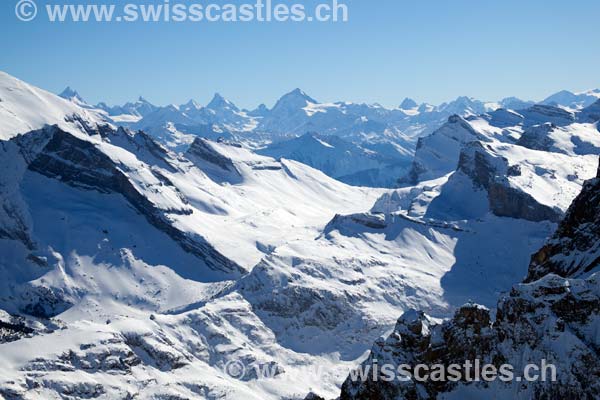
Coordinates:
[300,93]
[71,94]
[192,104]
[218,101]
[408,104]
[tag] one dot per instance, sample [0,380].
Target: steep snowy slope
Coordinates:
[105,225]
[553,318]
[24,108]
[159,272]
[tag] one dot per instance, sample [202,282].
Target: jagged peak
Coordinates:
[573,250]
[297,94]
[71,94]
[408,104]
[191,104]
[218,102]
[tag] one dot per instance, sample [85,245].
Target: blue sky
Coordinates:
[429,50]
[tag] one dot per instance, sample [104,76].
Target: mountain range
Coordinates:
[390,135]
[145,250]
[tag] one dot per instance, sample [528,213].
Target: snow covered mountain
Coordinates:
[573,100]
[128,270]
[378,166]
[538,127]
[130,112]
[72,95]
[552,316]
[24,108]
[296,113]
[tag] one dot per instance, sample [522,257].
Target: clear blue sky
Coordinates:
[430,50]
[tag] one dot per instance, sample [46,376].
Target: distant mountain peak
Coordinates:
[219,102]
[299,94]
[572,100]
[71,94]
[192,104]
[408,104]
[294,100]
[261,111]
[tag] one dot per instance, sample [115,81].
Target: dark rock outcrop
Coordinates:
[312,396]
[551,319]
[14,329]
[81,164]
[536,322]
[218,167]
[490,172]
[591,113]
[537,137]
[540,114]
[437,154]
[201,149]
[574,250]
[504,118]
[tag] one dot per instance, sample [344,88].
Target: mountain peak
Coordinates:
[219,102]
[408,104]
[302,94]
[71,94]
[191,104]
[296,99]
[261,111]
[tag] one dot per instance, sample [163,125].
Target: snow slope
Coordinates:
[132,271]
[24,108]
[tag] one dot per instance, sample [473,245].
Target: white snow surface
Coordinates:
[329,267]
[24,108]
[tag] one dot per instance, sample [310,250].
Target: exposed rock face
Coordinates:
[217,166]
[574,250]
[540,114]
[591,113]
[490,173]
[202,150]
[81,164]
[550,317]
[535,322]
[437,154]
[537,137]
[504,118]
[373,221]
[13,328]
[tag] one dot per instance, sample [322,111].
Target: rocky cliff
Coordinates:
[553,316]
[574,250]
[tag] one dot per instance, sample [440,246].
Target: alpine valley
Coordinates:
[145,250]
